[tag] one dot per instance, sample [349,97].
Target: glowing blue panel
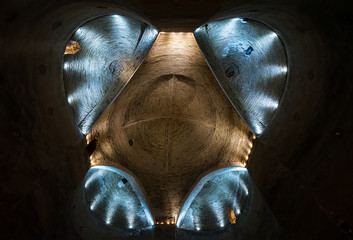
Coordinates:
[114,197]
[249,61]
[207,206]
[112,48]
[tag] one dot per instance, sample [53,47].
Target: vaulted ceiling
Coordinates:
[171,124]
[301,164]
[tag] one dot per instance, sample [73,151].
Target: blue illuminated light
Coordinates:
[112,48]
[212,195]
[118,206]
[95,203]
[266,41]
[243,186]
[154,31]
[250,64]
[66,66]
[80,32]
[91,179]
[229,28]
[121,184]
[236,205]
[111,210]
[119,19]
[267,103]
[276,70]
[249,51]
[70,99]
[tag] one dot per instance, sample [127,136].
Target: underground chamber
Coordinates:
[220,200]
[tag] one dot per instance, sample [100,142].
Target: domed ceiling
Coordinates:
[170,125]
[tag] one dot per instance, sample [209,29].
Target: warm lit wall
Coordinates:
[42,150]
[171,124]
[302,165]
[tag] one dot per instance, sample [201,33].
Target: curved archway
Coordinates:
[112,49]
[110,204]
[250,63]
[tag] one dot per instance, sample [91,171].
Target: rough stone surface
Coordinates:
[178,121]
[302,165]
[112,48]
[250,63]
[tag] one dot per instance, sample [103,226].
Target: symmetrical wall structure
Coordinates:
[172,124]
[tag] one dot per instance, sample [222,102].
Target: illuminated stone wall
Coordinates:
[250,63]
[112,48]
[171,124]
[301,163]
